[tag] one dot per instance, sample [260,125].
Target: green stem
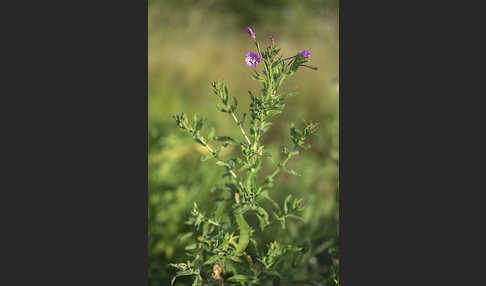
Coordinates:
[212,152]
[241,128]
[282,60]
[281,165]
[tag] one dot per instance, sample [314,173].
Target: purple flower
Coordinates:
[252,59]
[250,31]
[271,38]
[305,54]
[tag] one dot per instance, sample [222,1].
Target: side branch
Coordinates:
[280,166]
[216,156]
[241,128]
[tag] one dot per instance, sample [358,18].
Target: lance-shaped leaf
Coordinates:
[286,203]
[238,278]
[204,158]
[258,78]
[290,171]
[242,122]
[212,259]
[262,216]
[234,105]
[265,195]
[218,107]
[225,139]
[210,135]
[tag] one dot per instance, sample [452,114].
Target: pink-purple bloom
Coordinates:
[271,38]
[305,54]
[250,31]
[252,59]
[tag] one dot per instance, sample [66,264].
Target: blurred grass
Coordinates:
[192,43]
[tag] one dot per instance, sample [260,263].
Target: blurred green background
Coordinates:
[192,43]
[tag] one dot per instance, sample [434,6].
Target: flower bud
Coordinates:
[250,31]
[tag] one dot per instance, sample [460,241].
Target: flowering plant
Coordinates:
[226,248]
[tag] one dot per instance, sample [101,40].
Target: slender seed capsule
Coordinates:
[244,238]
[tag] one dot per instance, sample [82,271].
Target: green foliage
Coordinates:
[217,254]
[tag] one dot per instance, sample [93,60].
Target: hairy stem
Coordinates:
[212,152]
[241,128]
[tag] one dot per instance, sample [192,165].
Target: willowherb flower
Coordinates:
[250,31]
[271,38]
[305,54]
[252,59]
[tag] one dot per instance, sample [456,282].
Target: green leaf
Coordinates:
[218,107]
[238,278]
[185,273]
[242,209]
[211,134]
[262,216]
[286,202]
[226,175]
[222,163]
[225,139]
[212,259]
[199,141]
[180,266]
[273,272]
[272,113]
[236,259]
[296,217]
[225,95]
[232,187]
[199,125]
[185,236]
[290,171]
[251,95]
[265,195]
[204,158]
[197,281]
[257,78]
[291,94]
[242,122]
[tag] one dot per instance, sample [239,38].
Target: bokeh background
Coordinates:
[194,42]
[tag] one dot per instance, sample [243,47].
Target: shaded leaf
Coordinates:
[238,278]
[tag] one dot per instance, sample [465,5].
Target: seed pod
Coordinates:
[244,234]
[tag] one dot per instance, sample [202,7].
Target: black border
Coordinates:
[77,181]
